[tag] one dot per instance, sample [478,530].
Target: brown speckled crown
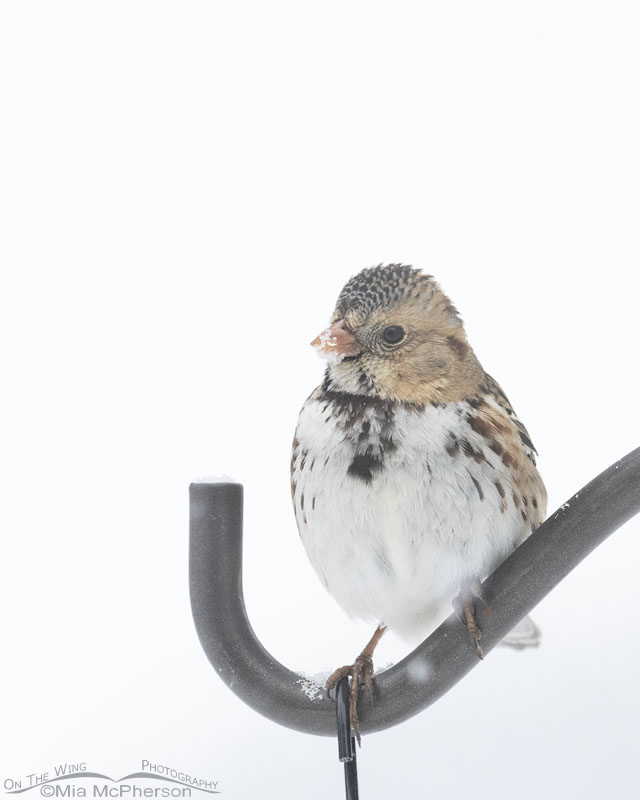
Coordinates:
[379,287]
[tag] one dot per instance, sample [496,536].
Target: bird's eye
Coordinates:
[393,334]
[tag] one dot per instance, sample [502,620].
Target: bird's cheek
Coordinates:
[428,366]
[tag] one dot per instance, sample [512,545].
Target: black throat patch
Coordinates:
[369,427]
[365,466]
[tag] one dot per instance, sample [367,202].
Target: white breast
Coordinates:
[396,549]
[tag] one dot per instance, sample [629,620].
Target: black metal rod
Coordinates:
[346,742]
[346,749]
[351,778]
[436,665]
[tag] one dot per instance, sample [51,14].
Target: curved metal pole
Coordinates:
[408,687]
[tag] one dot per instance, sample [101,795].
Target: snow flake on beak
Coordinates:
[335,343]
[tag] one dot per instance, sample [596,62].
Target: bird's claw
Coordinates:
[332,680]
[466,605]
[361,674]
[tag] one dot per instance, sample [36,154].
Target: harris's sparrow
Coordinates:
[412,477]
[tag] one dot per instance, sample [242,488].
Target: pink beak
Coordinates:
[336,339]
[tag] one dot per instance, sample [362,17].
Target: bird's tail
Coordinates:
[525,634]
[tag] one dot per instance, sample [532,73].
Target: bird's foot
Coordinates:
[361,674]
[466,605]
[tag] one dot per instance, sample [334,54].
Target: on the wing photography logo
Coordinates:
[75,780]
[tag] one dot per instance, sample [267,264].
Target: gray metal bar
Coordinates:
[408,687]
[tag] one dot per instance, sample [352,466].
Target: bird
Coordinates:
[412,477]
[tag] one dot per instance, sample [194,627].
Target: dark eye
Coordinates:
[393,334]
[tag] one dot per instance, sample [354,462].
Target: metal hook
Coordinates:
[530,573]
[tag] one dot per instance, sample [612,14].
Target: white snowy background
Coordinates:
[185,187]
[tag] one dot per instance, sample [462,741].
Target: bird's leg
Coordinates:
[361,674]
[465,606]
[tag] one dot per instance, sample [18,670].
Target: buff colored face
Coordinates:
[414,350]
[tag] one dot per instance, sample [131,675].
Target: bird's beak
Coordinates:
[336,340]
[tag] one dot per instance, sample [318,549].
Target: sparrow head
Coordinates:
[395,335]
